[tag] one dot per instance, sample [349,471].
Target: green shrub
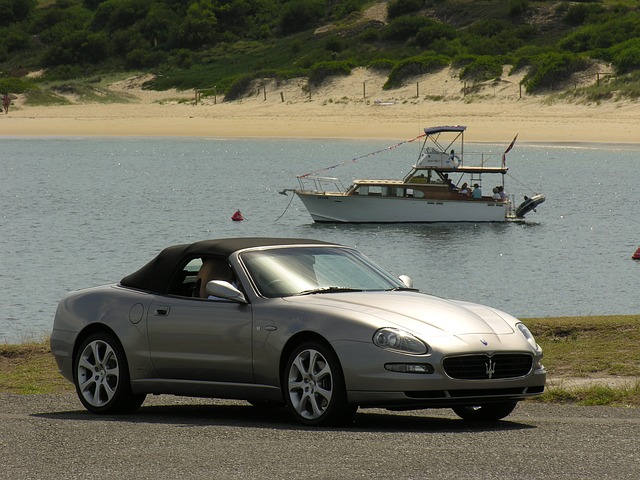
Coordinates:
[397,8]
[615,30]
[291,73]
[627,59]
[370,35]
[16,85]
[300,15]
[382,65]
[345,7]
[63,72]
[334,44]
[462,60]
[518,7]
[412,67]
[433,31]
[319,72]
[550,70]
[142,58]
[403,28]
[15,10]
[488,28]
[238,87]
[13,39]
[580,13]
[481,69]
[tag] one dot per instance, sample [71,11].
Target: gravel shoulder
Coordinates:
[52,437]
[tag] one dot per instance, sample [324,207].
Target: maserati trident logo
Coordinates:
[490,368]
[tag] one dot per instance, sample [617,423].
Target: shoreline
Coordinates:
[337,110]
[237,121]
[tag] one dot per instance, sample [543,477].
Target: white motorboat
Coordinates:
[441,187]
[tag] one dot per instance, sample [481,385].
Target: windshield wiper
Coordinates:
[402,289]
[329,290]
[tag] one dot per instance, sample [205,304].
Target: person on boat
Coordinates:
[477,191]
[464,190]
[503,194]
[448,182]
[454,161]
[496,194]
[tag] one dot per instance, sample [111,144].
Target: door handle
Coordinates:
[162,311]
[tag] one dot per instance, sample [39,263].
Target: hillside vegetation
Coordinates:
[222,45]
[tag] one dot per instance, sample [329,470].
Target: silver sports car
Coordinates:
[313,325]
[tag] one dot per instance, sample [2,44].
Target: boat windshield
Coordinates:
[290,271]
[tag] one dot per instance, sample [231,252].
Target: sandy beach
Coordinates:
[350,107]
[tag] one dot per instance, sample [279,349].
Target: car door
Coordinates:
[200,339]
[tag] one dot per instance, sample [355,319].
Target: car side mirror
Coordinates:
[222,289]
[406,280]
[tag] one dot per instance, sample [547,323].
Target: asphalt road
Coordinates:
[52,437]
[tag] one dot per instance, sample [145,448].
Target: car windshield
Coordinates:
[310,270]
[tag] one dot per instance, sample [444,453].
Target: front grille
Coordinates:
[483,367]
[454,394]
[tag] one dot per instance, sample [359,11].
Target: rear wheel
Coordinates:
[101,376]
[314,386]
[488,412]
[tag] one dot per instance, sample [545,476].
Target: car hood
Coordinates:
[418,312]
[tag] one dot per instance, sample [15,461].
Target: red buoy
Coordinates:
[636,256]
[237,217]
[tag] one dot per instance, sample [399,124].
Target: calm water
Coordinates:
[80,212]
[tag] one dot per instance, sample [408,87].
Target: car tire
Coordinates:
[101,376]
[314,386]
[488,412]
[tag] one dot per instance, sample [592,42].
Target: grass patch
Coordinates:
[589,346]
[622,396]
[30,368]
[583,347]
[68,92]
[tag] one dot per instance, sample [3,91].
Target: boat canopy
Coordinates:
[446,128]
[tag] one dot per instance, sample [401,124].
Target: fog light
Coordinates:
[409,367]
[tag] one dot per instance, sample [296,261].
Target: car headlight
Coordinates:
[528,335]
[399,341]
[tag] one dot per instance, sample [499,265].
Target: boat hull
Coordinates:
[325,208]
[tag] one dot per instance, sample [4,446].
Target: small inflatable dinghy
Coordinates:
[530,203]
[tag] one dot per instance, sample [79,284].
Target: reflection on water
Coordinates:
[83,212]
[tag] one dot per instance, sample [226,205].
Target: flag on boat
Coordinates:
[504,155]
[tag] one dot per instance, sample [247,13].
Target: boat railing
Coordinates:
[321,184]
[479,158]
[431,158]
[511,209]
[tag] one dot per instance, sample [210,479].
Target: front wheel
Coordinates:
[101,376]
[314,386]
[489,412]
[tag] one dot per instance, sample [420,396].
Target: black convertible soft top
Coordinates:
[156,275]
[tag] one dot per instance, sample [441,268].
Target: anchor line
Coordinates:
[285,210]
[523,184]
[354,160]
